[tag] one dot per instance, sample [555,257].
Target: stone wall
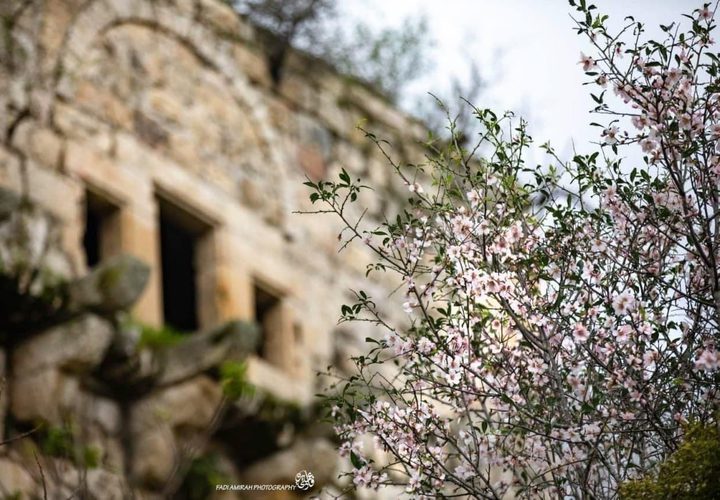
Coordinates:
[142,105]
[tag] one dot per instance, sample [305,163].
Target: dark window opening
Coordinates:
[98,238]
[267,315]
[181,236]
[179,286]
[91,238]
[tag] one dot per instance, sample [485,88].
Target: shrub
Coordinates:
[691,473]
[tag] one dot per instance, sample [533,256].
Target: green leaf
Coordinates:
[356,461]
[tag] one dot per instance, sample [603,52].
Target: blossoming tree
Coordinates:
[564,321]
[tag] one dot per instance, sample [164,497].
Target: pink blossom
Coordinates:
[715,130]
[623,303]
[474,197]
[580,333]
[647,145]
[465,471]
[640,121]
[704,14]
[610,135]
[588,63]
[598,245]
[363,476]
[673,75]
[622,334]
[425,345]
[618,50]
[708,360]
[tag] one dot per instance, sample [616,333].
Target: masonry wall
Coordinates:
[152,103]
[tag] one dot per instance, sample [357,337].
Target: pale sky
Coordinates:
[526,48]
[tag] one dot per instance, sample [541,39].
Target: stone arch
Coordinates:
[99,19]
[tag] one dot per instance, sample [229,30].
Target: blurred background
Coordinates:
[523,53]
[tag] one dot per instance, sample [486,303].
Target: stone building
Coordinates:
[150,171]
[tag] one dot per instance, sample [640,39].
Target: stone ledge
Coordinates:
[76,346]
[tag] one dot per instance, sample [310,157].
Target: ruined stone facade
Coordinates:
[142,135]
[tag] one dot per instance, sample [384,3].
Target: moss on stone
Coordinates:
[270,408]
[233,378]
[109,278]
[159,337]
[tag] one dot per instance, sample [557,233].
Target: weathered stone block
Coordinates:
[104,104]
[317,456]
[233,293]
[47,396]
[190,404]
[9,202]
[219,16]
[105,484]
[104,412]
[200,352]
[28,232]
[149,130]
[139,238]
[56,193]
[27,238]
[298,91]
[312,162]
[166,104]
[39,143]
[154,457]
[58,16]
[15,479]
[64,479]
[275,381]
[156,421]
[254,64]
[78,346]
[115,285]
[10,176]
[75,123]
[86,161]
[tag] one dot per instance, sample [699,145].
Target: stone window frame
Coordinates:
[111,230]
[278,333]
[206,229]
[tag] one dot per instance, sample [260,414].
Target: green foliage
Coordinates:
[233,377]
[163,336]
[691,473]
[60,442]
[274,409]
[91,457]
[202,476]
[386,59]
[57,442]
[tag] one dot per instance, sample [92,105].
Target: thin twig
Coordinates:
[42,475]
[20,436]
